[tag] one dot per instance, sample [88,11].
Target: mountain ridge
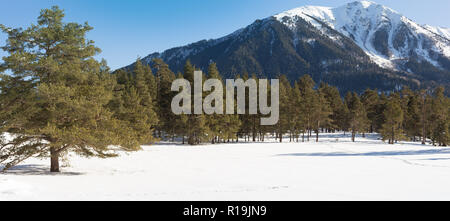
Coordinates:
[324,41]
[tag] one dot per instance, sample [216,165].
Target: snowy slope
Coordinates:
[384,34]
[328,170]
[445,32]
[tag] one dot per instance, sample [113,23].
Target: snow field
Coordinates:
[328,170]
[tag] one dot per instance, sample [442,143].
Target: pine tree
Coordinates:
[344,118]
[246,119]
[321,114]
[181,121]
[164,95]
[293,112]
[381,107]
[425,106]
[440,118]
[232,125]
[197,129]
[358,120]
[129,108]
[133,103]
[216,122]
[412,113]
[392,127]
[144,78]
[57,98]
[334,99]
[283,124]
[255,127]
[371,102]
[143,90]
[297,114]
[306,86]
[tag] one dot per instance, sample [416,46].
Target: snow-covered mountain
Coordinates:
[388,37]
[356,46]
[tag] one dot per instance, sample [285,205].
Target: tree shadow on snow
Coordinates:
[381,153]
[35,169]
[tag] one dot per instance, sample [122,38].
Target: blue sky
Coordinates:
[126,29]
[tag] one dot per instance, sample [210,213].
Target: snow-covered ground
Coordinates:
[333,169]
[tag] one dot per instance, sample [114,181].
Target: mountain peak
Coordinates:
[364,4]
[368,5]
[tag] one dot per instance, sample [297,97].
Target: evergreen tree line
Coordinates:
[306,109]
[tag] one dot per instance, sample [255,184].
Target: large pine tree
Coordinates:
[57,97]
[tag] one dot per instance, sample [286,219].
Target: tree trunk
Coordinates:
[254,130]
[54,161]
[307,135]
[317,131]
[393,135]
[191,140]
[424,131]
